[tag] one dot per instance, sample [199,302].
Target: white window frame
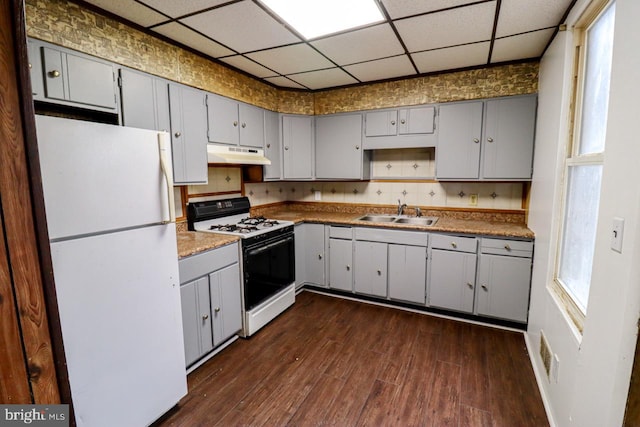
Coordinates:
[575,312]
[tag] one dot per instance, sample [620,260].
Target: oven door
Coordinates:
[269,267]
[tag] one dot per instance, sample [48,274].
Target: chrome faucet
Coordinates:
[418,211]
[401,207]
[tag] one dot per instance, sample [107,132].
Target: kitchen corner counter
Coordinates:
[456,223]
[193,242]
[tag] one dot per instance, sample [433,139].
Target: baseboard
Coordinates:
[540,378]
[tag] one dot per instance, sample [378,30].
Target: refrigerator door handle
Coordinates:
[165,163]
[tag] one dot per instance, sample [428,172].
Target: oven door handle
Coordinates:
[258,248]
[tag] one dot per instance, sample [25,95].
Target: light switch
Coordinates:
[616,234]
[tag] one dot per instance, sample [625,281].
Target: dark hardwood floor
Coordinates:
[334,362]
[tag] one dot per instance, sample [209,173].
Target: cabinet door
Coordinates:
[509,135]
[338,146]
[90,82]
[251,126]
[300,238]
[314,254]
[196,319]
[340,264]
[370,276]
[408,273]
[222,120]
[188,134]
[504,287]
[54,74]
[381,123]
[35,70]
[458,151]
[137,94]
[452,280]
[416,120]
[225,303]
[297,140]
[272,146]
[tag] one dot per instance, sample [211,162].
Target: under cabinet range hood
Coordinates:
[236,155]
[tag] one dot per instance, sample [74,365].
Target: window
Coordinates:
[583,166]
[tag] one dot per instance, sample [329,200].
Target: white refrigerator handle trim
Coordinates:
[164,146]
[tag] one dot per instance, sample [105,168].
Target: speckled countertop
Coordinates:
[193,242]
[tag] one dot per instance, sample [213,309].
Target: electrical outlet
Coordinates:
[317,195]
[473,199]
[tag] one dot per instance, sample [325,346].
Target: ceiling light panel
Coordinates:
[401,8]
[316,18]
[449,28]
[242,26]
[362,45]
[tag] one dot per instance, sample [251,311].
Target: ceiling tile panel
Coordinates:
[452,27]
[176,8]
[284,82]
[381,69]
[529,45]
[519,16]
[450,58]
[363,45]
[131,10]
[242,26]
[291,59]
[324,78]
[401,8]
[188,37]
[248,66]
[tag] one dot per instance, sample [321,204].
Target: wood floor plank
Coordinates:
[335,362]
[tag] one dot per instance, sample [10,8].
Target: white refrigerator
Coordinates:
[109,205]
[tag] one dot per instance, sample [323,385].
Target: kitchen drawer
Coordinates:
[206,262]
[506,247]
[341,232]
[454,243]
[412,238]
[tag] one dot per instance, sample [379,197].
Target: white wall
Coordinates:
[594,368]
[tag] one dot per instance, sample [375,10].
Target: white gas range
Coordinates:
[268,263]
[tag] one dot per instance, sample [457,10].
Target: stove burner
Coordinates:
[234,228]
[253,220]
[223,227]
[270,223]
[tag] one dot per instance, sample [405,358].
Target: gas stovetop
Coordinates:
[230,216]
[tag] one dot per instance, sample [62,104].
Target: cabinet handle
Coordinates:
[348,267]
[30,66]
[357,147]
[178,134]
[235,123]
[454,245]
[205,317]
[217,309]
[476,140]
[484,287]
[393,122]
[470,285]
[507,247]
[402,121]
[244,125]
[319,256]
[54,73]
[286,148]
[268,145]
[379,273]
[490,139]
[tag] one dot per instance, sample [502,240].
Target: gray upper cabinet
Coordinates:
[411,127]
[234,123]
[297,145]
[145,101]
[35,70]
[188,134]
[490,140]
[74,79]
[272,146]
[338,145]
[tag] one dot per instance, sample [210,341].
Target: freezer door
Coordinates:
[119,302]
[99,178]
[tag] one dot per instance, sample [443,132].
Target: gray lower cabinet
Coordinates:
[341,258]
[407,273]
[338,147]
[452,272]
[370,268]
[71,78]
[188,134]
[491,139]
[211,305]
[310,254]
[504,279]
[145,101]
[272,146]
[297,146]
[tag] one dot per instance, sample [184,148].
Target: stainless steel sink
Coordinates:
[422,220]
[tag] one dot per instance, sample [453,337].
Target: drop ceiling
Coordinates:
[417,37]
